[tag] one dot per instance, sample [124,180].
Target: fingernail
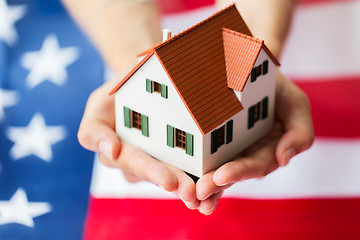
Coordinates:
[190,205]
[106,149]
[207,212]
[162,187]
[288,154]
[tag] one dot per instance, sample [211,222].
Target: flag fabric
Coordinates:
[317,196]
[47,70]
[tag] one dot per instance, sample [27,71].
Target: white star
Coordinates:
[49,63]
[7,99]
[35,139]
[19,210]
[8,17]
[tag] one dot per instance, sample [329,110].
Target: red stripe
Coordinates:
[304,2]
[234,219]
[169,7]
[181,6]
[335,105]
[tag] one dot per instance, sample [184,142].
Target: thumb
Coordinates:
[98,137]
[96,131]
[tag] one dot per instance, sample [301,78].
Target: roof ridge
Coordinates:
[194,26]
[251,38]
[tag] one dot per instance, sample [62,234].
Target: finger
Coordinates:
[209,205]
[138,163]
[244,168]
[186,190]
[131,178]
[106,161]
[96,131]
[171,179]
[294,112]
[205,187]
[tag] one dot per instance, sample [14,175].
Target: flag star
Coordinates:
[19,210]
[8,17]
[48,64]
[7,99]
[36,139]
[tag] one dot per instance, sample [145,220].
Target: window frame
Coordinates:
[185,142]
[136,120]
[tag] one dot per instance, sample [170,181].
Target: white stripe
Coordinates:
[324,41]
[329,169]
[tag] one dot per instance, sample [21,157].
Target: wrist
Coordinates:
[125,29]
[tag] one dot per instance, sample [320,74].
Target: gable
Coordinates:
[241,52]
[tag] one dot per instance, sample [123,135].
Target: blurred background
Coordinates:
[51,188]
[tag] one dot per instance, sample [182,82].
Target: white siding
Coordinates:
[253,93]
[161,112]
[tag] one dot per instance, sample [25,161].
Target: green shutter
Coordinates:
[127,117]
[229,131]
[214,141]
[265,67]
[164,91]
[253,75]
[265,106]
[144,125]
[149,86]
[189,144]
[251,117]
[170,136]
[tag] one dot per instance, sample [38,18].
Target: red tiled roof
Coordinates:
[241,52]
[195,62]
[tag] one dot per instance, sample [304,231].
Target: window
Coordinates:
[219,137]
[258,110]
[133,119]
[262,69]
[157,87]
[180,139]
[136,120]
[152,86]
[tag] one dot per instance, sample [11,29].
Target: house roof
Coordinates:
[195,62]
[241,52]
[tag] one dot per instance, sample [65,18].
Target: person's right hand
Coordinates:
[97,133]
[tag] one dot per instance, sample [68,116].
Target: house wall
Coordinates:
[160,112]
[263,86]
[243,137]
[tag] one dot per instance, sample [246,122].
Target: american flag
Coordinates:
[47,70]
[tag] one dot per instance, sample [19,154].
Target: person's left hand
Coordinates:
[292,133]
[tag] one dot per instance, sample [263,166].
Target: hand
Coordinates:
[292,133]
[97,134]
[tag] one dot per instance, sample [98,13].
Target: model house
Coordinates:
[199,98]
